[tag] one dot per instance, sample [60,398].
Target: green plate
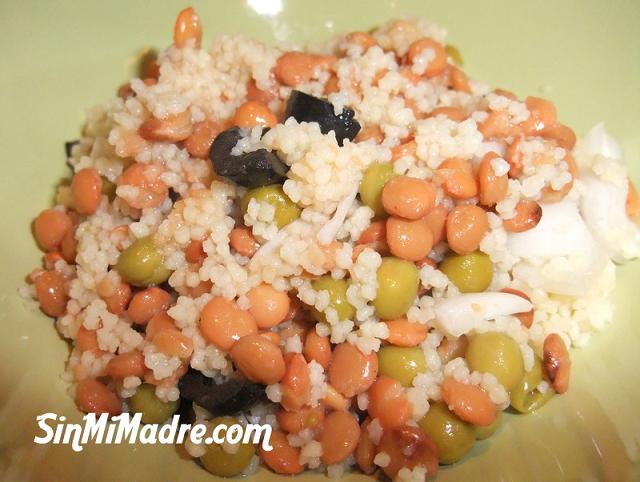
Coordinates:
[60,57]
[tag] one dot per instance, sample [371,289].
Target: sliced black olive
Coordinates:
[307,108]
[68,146]
[251,169]
[234,395]
[185,411]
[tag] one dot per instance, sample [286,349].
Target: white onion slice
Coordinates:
[560,254]
[598,142]
[603,207]
[460,314]
[328,232]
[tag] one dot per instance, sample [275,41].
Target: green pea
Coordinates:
[401,363]
[224,464]
[153,409]
[286,210]
[453,437]
[498,354]
[141,264]
[398,282]
[471,273]
[525,397]
[373,180]
[488,430]
[337,289]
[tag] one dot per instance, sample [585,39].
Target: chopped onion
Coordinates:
[460,314]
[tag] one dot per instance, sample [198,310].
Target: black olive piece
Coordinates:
[233,395]
[307,108]
[68,146]
[251,169]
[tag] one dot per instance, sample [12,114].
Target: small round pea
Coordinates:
[453,437]
[141,264]
[286,210]
[373,180]
[224,464]
[398,282]
[471,273]
[337,289]
[525,397]
[153,410]
[488,430]
[401,363]
[497,354]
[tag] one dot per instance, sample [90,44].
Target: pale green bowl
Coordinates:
[60,57]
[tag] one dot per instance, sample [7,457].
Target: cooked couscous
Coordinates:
[356,244]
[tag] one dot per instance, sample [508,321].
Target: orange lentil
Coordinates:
[258,359]
[69,246]
[351,372]
[469,402]
[198,144]
[50,292]
[493,188]
[454,113]
[50,227]
[296,383]
[408,197]
[438,64]
[223,323]
[410,240]
[87,340]
[632,204]
[466,226]
[339,438]
[403,332]
[526,319]
[556,362]
[253,113]
[94,397]
[293,68]
[528,215]
[152,191]
[172,128]
[456,176]
[269,306]
[130,364]
[242,241]
[363,39]
[408,446]
[366,450]
[160,322]
[317,348]
[187,29]
[173,343]
[563,135]
[147,303]
[283,459]
[388,402]
[86,190]
[405,149]
[459,80]
[259,95]
[297,420]
[436,219]
[542,114]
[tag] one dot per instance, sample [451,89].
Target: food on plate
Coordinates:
[357,244]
